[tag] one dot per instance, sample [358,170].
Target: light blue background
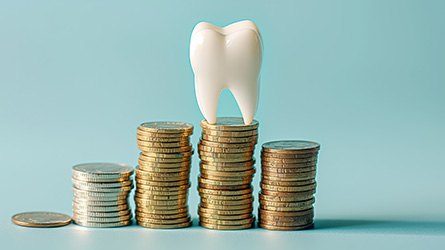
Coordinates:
[366,79]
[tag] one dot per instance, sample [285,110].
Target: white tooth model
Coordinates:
[228,57]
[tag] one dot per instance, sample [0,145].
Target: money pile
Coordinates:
[162,177]
[288,185]
[101,193]
[227,167]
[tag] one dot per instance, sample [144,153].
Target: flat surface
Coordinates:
[365,79]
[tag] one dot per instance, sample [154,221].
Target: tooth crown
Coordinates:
[228,57]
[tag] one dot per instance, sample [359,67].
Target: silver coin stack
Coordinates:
[101,193]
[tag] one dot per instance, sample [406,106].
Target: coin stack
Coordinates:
[101,193]
[227,167]
[288,185]
[162,177]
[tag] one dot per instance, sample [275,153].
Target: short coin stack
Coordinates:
[101,194]
[227,167]
[288,185]
[162,177]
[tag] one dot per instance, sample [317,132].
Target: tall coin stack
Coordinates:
[101,194]
[288,185]
[227,167]
[162,177]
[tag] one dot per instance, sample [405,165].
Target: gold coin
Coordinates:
[181,155]
[225,150]
[164,221]
[141,136]
[230,124]
[286,221]
[143,159]
[221,133]
[287,204]
[269,161]
[160,165]
[247,179]
[296,207]
[291,147]
[251,139]
[41,219]
[289,165]
[287,170]
[225,217]
[149,188]
[229,165]
[250,144]
[184,176]
[158,209]
[179,136]
[183,151]
[279,182]
[297,196]
[163,144]
[170,212]
[167,127]
[225,227]
[224,187]
[247,155]
[165,170]
[221,160]
[162,183]
[227,222]
[229,170]
[226,202]
[225,192]
[161,197]
[142,173]
[270,227]
[289,177]
[162,216]
[288,189]
[202,180]
[286,214]
[240,174]
[226,197]
[288,156]
[164,226]
[146,202]
[148,193]
[226,207]
[219,212]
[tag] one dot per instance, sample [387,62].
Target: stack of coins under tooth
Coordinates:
[227,167]
[162,177]
[288,185]
[101,194]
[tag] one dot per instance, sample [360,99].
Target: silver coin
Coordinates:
[103,190]
[99,178]
[80,207]
[102,225]
[102,219]
[102,214]
[102,184]
[99,195]
[99,203]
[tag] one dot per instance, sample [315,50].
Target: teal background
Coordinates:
[366,79]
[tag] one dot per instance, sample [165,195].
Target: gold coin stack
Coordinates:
[288,185]
[162,177]
[227,167]
[101,194]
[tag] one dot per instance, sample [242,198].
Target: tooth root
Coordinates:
[246,95]
[207,95]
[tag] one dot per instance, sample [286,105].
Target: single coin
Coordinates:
[226,197]
[150,188]
[77,217]
[224,187]
[150,137]
[102,225]
[291,146]
[227,178]
[287,170]
[150,193]
[229,165]
[177,150]
[287,183]
[179,136]
[161,197]
[181,155]
[94,195]
[143,158]
[85,202]
[99,178]
[288,189]
[290,175]
[231,212]
[289,165]
[290,156]
[162,216]
[172,178]
[225,227]
[268,160]
[202,180]
[164,226]
[103,190]
[103,214]
[149,211]
[239,174]
[80,207]
[152,144]
[227,160]
[297,196]
[167,127]
[245,133]
[97,169]
[225,217]
[229,170]
[288,178]
[162,183]
[286,214]
[250,144]
[230,124]
[288,222]
[142,173]
[145,202]
[225,192]
[185,168]
[102,184]
[245,155]
[226,202]
[304,203]
[164,221]
[270,227]
[225,150]
[227,222]
[226,207]
[251,139]
[158,209]
[41,219]
[100,198]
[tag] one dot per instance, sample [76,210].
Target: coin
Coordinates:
[229,124]
[287,170]
[182,155]
[222,183]
[102,184]
[160,209]
[80,207]
[226,207]
[162,183]
[149,188]
[150,137]
[289,176]
[233,212]
[227,222]
[149,202]
[289,156]
[222,139]
[41,219]
[227,178]
[167,127]
[303,203]
[309,164]
[250,144]
[225,217]
[225,192]
[241,174]
[102,225]
[104,196]
[267,160]
[107,169]
[297,206]
[77,217]
[291,146]
[225,160]
[282,197]
[225,227]
[163,144]
[151,211]
[229,165]
[103,178]
[143,193]
[222,133]
[224,187]
[164,226]
[226,197]
[85,202]
[164,221]
[147,159]
[225,150]
[103,214]
[270,227]
[103,190]
[226,202]
[288,188]
[162,216]
[242,156]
